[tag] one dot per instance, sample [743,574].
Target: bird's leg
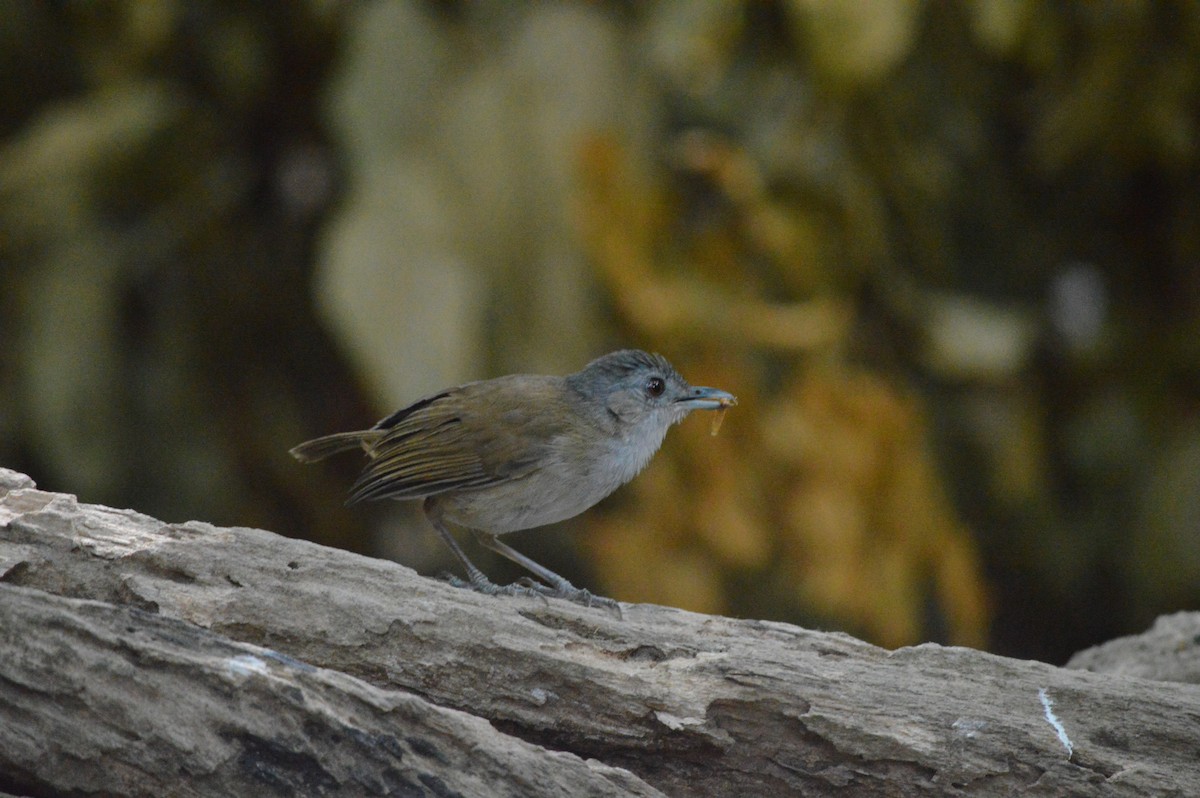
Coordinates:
[555,586]
[476,580]
[552,579]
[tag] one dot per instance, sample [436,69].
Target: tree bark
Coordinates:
[1169,652]
[146,658]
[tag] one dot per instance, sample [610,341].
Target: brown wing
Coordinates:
[468,437]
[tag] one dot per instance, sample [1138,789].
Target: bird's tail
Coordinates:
[320,448]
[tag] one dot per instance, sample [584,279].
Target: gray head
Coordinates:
[642,394]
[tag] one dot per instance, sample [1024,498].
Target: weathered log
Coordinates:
[103,698]
[688,704]
[1169,652]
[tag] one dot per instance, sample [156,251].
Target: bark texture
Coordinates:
[147,658]
[1169,651]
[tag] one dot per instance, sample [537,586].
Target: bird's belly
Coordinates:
[535,500]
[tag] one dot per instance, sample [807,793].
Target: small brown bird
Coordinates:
[522,451]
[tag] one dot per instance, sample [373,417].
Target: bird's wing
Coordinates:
[469,437]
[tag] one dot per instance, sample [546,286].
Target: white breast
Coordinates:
[563,488]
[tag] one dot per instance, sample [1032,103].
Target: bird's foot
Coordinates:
[481,584]
[578,595]
[532,588]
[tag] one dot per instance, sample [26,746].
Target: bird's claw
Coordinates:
[577,595]
[529,587]
[489,588]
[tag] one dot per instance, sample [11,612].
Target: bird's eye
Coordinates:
[655,386]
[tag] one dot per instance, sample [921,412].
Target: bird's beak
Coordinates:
[706,399]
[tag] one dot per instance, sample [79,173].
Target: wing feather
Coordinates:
[465,438]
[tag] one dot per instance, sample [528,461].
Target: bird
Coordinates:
[522,451]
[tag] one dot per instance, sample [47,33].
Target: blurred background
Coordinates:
[946,254]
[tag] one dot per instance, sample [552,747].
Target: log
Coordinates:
[145,658]
[119,700]
[1169,652]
